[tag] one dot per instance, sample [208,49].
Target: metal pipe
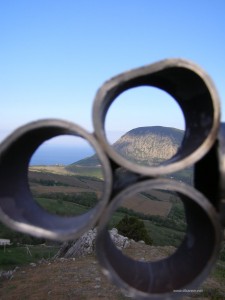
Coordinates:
[185,269]
[194,91]
[18,209]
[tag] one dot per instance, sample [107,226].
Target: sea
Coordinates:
[59,155]
[65,150]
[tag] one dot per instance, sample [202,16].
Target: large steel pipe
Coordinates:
[209,174]
[221,159]
[18,209]
[195,93]
[170,277]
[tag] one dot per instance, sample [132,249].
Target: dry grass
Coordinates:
[51,169]
[62,279]
[140,203]
[80,278]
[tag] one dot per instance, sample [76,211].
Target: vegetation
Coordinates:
[164,231]
[17,237]
[222,252]
[185,175]
[91,161]
[60,207]
[175,220]
[13,256]
[153,229]
[91,171]
[134,228]
[86,199]
[149,145]
[45,182]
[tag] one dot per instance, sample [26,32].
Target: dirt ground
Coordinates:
[79,278]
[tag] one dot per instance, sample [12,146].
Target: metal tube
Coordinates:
[194,91]
[18,209]
[185,269]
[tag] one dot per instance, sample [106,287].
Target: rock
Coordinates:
[62,259]
[33,265]
[141,242]
[97,286]
[6,274]
[86,244]
[42,261]
[98,279]
[119,240]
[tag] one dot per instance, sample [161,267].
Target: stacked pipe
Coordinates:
[202,147]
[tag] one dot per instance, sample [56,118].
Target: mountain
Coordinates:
[149,145]
[143,145]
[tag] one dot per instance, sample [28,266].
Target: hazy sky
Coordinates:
[54,55]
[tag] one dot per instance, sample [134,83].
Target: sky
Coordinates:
[54,55]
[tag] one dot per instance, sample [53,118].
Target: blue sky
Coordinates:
[54,55]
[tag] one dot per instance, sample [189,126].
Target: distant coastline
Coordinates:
[60,155]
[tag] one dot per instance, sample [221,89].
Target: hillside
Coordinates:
[144,145]
[149,145]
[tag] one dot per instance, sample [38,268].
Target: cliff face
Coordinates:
[149,145]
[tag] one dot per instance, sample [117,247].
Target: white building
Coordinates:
[4,242]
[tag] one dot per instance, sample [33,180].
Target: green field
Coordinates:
[161,235]
[60,199]
[13,256]
[163,232]
[87,171]
[60,207]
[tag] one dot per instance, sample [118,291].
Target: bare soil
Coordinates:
[79,278]
[142,204]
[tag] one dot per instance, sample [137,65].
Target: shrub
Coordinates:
[133,228]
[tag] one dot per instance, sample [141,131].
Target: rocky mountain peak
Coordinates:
[144,145]
[149,145]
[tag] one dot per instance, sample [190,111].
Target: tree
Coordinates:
[133,228]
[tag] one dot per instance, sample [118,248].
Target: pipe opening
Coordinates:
[66,176]
[19,210]
[195,95]
[150,220]
[145,125]
[185,268]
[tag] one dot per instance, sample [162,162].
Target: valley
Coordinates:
[67,193]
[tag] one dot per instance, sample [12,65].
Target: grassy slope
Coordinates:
[75,170]
[15,256]
[161,234]
[54,181]
[60,207]
[87,171]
